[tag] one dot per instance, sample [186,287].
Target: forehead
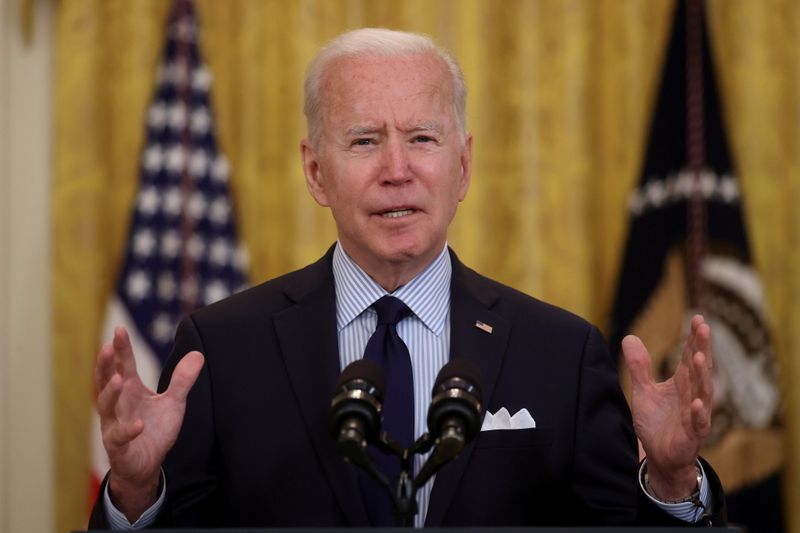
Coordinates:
[362,86]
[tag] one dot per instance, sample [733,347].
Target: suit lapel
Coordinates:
[471,300]
[308,341]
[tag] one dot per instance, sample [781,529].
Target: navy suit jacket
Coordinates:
[254,449]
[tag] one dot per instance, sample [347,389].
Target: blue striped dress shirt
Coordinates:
[426,332]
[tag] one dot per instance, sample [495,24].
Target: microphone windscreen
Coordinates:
[460,368]
[364,369]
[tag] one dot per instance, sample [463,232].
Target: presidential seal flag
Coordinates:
[182,250]
[688,252]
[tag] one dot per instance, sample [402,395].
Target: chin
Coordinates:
[409,252]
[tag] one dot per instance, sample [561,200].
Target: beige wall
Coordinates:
[26,441]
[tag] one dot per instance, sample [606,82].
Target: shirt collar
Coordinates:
[427,295]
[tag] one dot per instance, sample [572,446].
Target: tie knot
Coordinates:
[390,310]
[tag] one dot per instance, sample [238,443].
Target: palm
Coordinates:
[161,416]
[662,420]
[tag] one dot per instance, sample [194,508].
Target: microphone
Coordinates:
[354,418]
[455,411]
[454,416]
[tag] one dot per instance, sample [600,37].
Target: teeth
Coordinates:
[398,214]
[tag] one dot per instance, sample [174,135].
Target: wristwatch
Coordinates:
[694,497]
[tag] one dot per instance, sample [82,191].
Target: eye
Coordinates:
[423,139]
[362,142]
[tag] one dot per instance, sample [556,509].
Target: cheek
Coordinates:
[337,185]
[345,196]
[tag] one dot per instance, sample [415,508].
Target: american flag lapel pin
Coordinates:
[483,326]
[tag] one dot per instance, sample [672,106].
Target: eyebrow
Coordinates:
[362,130]
[358,130]
[427,126]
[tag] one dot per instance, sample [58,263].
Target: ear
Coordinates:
[313,173]
[466,168]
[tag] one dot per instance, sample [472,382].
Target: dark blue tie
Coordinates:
[387,349]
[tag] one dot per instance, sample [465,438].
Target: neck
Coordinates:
[391,275]
[394,280]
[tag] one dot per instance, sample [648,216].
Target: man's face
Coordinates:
[390,162]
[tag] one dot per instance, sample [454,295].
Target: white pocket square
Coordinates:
[522,419]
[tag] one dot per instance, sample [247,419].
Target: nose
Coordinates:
[396,163]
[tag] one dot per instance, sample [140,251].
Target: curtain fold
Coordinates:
[757,47]
[105,60]
[560,93]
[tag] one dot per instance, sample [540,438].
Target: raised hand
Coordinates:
[138,425]
[673,418]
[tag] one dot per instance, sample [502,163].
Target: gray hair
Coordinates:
[377,42]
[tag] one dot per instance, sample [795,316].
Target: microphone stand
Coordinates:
[404,493]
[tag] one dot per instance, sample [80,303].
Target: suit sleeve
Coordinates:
[191,467]
[605,458]
[98,520]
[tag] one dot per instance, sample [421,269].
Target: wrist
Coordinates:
[134,497]
[679,486]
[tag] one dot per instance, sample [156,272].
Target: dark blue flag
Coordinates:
[687,252]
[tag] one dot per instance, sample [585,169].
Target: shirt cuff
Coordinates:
[117,521]
[688,511]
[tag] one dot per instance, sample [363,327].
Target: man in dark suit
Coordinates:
[240,425]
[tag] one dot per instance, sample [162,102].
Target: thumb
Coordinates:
[637,359]
[185,375]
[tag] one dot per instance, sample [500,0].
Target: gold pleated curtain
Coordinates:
[560,93]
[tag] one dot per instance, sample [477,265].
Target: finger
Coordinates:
[689,347]
[123,353]
[637,360]
[107,399]
[696,321]
[703,344]
[704,379]
[104,367]
[696,340]
[122,433]
[185,375]
[701,334]
[701,419]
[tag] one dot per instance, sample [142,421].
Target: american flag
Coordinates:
[182,250]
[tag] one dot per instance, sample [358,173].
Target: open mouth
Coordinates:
[397,213]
